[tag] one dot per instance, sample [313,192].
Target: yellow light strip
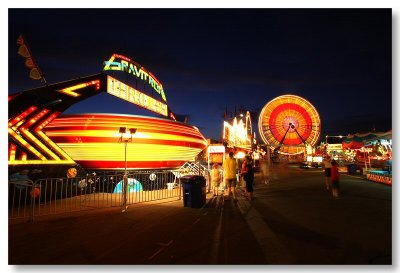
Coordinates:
[25,144]
[70,90]
[135,152]
[12,152]
[67,158]
[44,137]
[116,135]
[37,142]
[130,122]
[65,122]
[38,116]
[36,162]
[22,116]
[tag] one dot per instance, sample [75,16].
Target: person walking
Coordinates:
[248,176]
[230,167]
[215,178]
[335,179]
[327,165]
[264,166]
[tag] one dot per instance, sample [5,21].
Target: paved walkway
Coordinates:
[293,220]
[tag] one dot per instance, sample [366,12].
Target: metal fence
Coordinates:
[30,199]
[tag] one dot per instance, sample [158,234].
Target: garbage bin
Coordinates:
[194,191]
[352,169]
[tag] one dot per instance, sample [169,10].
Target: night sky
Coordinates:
[209,60]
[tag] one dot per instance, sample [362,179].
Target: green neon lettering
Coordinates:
[137,72]
[107,63]
[162,94]
[131,70]
[112,66]
[151,82]
[141,74]
[124,66]
[145,75]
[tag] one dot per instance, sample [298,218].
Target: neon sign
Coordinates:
[332,147]
[128,93]
[122,63]
[70,90]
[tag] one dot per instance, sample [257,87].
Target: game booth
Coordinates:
[371,152]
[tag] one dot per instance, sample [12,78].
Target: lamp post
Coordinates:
[125,138]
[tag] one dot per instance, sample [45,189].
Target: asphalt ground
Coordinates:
[293,220]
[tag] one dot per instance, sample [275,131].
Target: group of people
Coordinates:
[230,176]
[331,175]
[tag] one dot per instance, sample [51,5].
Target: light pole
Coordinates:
[125,138]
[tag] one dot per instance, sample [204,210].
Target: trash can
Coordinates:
[351,169]
[194,191]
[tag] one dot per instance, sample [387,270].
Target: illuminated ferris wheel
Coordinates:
[288,124]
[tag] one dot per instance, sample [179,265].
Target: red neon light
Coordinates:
[38,116]
[154,77]
[22,116]
[158,143]
[70,90]
[300,113]
[47,121]
[131,164]
[11,97]
[96,139]
[122,57]
[11,152]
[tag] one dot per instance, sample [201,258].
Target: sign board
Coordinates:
[128,93]
[216,158]
[216,149]
[121,63]
[332,147]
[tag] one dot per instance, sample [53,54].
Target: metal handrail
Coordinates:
[60,195]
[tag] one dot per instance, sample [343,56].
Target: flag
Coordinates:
[30,63]
[35,74]
[23,51]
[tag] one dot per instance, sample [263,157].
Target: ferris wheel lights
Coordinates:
[289,122]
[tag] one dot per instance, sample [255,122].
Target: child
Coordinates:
[215,178]
[335,179]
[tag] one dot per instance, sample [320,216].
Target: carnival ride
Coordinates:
[289,123]
[90,140]
[40,135]
[238,133]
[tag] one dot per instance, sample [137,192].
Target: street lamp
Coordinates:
[125,138]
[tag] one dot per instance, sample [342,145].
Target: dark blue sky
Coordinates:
[212,59]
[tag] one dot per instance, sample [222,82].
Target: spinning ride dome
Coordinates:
[288,123]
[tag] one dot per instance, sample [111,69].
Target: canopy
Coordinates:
[358,140]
